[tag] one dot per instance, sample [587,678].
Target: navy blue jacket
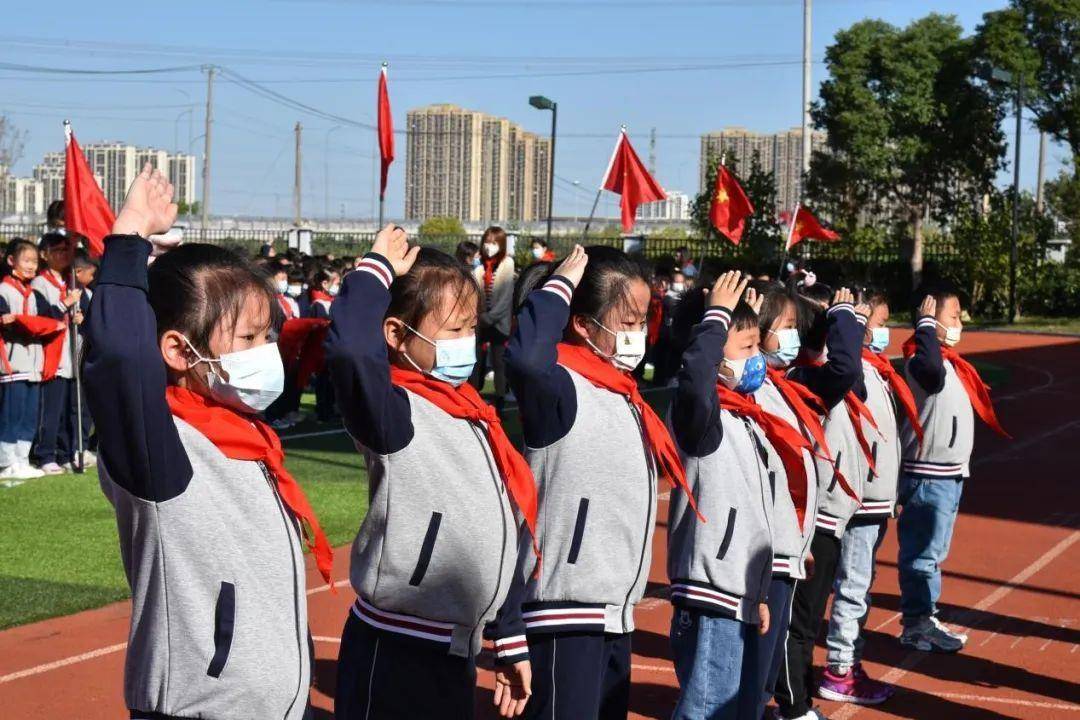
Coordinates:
[926,365]
[842,370]
[695,408]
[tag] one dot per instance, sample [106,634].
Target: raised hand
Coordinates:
[727,289]
[7,319]
[148,208]
[928,307]
[842,295]
[573,267]
[393,244]
[513,686]
[754,300]
[863,309]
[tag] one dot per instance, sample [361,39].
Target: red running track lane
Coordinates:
[1013,580]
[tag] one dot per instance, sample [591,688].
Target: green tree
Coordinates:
[1063,202]
[442,227]
[1039,41]
[909,127]
[671,232]
[761,237]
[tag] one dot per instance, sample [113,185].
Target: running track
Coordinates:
[1013,579]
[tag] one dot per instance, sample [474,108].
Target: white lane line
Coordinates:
[319,433]
[1008,701]
[38,669]
[913,659]
[325,588]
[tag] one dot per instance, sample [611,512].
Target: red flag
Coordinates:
[86,211]
[730,206]
[805,226]
[386,130]
[626,176]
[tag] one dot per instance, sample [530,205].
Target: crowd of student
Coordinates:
[789,444]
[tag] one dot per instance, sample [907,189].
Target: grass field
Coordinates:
[58,549]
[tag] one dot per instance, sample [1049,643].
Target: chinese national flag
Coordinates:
[730,206]
[386,131]
[86,211]
[807,227]
[627,177]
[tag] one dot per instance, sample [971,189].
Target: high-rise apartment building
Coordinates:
[780,153]
[473,166]
[675,207]
[20,195]
[115,166]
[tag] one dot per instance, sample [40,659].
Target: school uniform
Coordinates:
[885,391]
[719,570]
[595,449]
[54,441]
[211,540]
[840,476]
[948,394]
[326,409]
[435,563]
[22,357]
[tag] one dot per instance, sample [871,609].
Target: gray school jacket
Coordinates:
[835,507]
[879,491]
[56,309]
[725,564]
[219,606]
[24,359]
[791,543]
[440,518]
[948,422]
[597,499]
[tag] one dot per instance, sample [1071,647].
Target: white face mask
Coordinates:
[538,252]
[455,358]
[282,286]
[296,290]
[256,377]
[952,334]
[677,287]
[333,290]
[629,347]
[491,249]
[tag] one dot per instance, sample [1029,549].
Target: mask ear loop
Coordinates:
[406,355]
[200,359]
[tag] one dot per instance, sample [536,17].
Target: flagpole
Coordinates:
[382,188]
[787,243]
[599,190]
[73,336]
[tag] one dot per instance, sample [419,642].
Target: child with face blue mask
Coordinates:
[448,493]
[735,453]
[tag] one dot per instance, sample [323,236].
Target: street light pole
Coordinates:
[1016,198]
[542,103]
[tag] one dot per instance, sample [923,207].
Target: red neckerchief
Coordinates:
[317,295]
[978,392]
[286,306]
[900,389]
[786,440]
[300,342]
[489,274]
[49,331]
[603,375]
[656,316]
[465,402]
[806,405]
[23,288]
[245,437]
[856,411]
[60,285]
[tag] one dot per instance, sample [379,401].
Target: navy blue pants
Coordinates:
[387,676]
[771,644]
[55,438]
[18,420]
[579,676]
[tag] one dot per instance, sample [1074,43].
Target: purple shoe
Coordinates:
[852,687]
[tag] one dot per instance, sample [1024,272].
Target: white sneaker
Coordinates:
[51,469]
[931,635]
[89,461]
[282,424]
[20,472]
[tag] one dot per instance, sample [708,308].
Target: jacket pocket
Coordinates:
[579,530]
[952,437]
[224,622]
[836,472]
[426,549]
[728,533]
[873,459]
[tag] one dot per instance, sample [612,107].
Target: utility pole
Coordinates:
[296,178]
[652,152]
[1016,197]
[806,89]
[206,149]
[1042,170]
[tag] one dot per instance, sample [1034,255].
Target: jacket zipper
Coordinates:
[289,529]
[499,492]
[767,573]
[649,468]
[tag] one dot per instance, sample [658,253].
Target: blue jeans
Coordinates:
[771,645]
[851,589]
[717,666]
[925,531]
[18,420]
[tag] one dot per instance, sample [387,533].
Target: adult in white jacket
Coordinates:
[495,275]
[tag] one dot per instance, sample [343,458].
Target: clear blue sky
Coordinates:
[724,63]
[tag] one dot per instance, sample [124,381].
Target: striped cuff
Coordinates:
[378,266]
[875,507]
[438,632]
[561,617]
[560,286]
[700,595]
[841,307]
[718,313]
[933,469]
[781,566]
[926,322]
[510,650]
[826,522]
[862,319]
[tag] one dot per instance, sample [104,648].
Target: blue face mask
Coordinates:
[879,339]
[455,358]
[747,374]
[788,350]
